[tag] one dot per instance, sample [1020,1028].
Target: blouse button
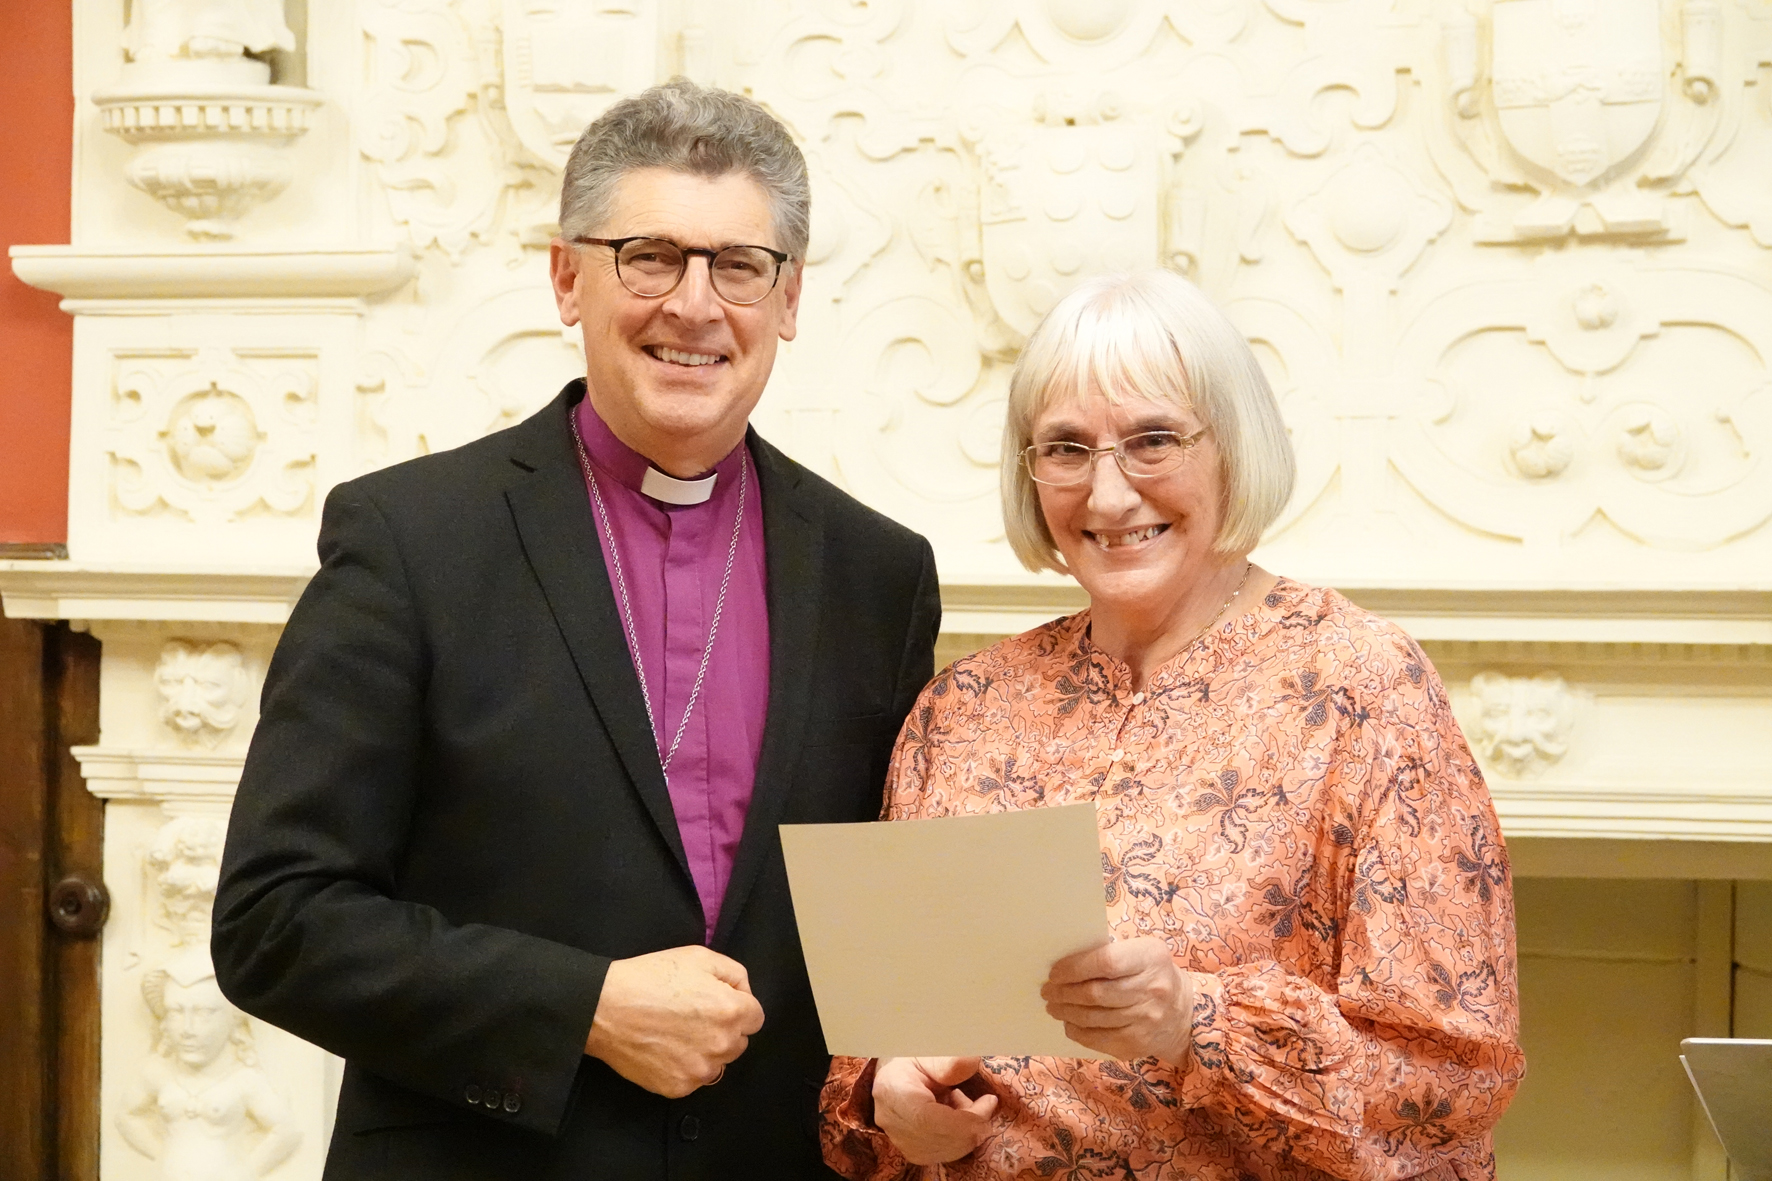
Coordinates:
[1138,699]
[1117,755]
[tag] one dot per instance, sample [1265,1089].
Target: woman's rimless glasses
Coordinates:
[1147,454]
[652,267]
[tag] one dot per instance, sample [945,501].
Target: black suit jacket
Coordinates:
[452,817]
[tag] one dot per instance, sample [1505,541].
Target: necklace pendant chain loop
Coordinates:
[665,755]
[1248,567]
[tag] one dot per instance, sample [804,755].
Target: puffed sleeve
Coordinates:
[1412,1057]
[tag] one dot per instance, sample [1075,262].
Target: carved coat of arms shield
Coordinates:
[1060,204]
[1578,83]
[567,61]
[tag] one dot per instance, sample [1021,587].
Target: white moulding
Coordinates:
[168,777]
[1736,812]
[73,590]
[77,274]
[1484,614]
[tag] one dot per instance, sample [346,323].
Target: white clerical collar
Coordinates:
[674,491]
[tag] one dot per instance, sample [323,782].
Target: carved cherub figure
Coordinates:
[202,689]
[202,1107]
[185,860]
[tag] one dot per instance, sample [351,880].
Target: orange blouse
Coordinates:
[1291,806]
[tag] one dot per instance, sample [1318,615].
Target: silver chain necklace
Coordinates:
[1248,567]
[627,612]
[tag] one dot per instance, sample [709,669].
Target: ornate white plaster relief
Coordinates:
[203,688]
[1504,262]
[213,434]
[194,1089]
[204,437]
[1524,723]
[203,114]
[203,1108]
[200,1105]
[197,1091]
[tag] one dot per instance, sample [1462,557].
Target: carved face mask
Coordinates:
[1524,720]
[200,688]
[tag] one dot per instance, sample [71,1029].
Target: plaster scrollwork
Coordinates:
[1292,352]
[1105,33]
[473,106]
[1356,47]
[490,367]
[203,688]
[932,414]
[212,435]
[849,229]
[1523,723]
[209,126]
[1626,436]
[832,56]
[201,1105]
[422,124]
[1370,219]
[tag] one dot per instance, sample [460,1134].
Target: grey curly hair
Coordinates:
[694,129]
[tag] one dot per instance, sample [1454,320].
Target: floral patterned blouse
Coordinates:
[1291,806]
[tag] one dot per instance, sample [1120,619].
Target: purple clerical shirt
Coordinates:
[672,557]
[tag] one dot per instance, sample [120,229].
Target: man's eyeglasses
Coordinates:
[652,267]
[1151,453]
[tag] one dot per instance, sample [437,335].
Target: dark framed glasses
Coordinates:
[1141,456]
[651,267]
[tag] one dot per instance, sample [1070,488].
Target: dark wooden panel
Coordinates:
[77,824]
[24,1026]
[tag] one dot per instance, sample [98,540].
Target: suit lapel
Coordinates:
[793,540]
[552,513]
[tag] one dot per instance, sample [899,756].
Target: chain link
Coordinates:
[627,612]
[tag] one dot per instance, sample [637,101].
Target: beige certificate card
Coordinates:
[932,937]
[1733,1077]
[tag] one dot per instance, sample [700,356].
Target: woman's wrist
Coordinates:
[1184,1002]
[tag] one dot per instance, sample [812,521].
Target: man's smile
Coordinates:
[679,357]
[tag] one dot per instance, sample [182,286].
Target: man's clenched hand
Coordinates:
[670,1021]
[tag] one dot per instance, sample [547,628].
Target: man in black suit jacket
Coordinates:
[453,858]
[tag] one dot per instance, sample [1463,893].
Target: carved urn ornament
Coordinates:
[207,120]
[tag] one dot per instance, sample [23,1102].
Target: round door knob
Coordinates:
[79,905]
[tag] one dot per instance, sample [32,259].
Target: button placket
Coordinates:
[1118,754]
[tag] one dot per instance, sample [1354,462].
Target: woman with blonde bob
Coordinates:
[1313,971]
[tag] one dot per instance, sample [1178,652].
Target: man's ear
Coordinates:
[790,293]
[563,272]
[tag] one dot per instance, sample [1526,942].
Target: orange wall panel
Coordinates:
[36,338]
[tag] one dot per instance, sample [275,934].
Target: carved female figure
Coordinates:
[202,1107]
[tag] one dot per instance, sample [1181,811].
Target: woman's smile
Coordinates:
[1123,539]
